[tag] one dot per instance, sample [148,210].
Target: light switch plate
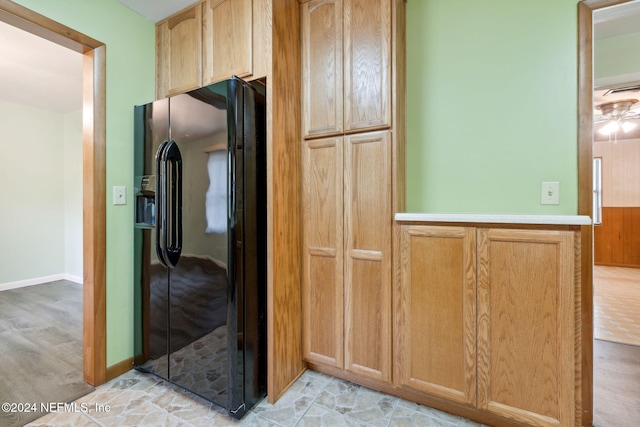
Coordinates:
[550,193]
[119,195]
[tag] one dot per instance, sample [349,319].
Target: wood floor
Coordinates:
[41,347]
[616,385]
[616,302]
[616,365]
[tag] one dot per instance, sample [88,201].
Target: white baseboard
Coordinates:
[72,278]
[39,281]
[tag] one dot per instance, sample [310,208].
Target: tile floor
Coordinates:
[616,302]
[136,399]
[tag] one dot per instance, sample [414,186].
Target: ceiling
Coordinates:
[617,20]
[155,10]
[37,72]
[42,74]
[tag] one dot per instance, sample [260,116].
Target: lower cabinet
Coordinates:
[487,317]
[346,287]
[483,319]
[435,317]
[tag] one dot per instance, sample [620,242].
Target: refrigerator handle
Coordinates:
[161,203]
[173,243]
[169,194]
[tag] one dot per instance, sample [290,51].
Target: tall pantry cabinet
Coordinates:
[352,180]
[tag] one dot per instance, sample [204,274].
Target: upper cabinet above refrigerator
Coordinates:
[210,41]
[227,39]
[179,52]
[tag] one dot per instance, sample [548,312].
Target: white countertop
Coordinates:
[495,218]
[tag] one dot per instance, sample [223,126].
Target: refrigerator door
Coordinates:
[252,337]
[198,337]
[247,284]
[151,295]
[235,318]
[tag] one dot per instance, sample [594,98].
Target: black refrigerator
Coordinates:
[200,242]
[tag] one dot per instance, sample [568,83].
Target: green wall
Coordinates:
[491,113]
[130,43]
[491,100]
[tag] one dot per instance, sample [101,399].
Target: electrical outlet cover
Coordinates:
[119,195]
[550,193]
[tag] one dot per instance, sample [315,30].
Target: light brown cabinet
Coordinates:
[526,325]
[346,66]
[435,320]
[347,259]
[322,72]
[179,52]
[209,42]
[227,39]
[323,265]
[352,70]
[516,288]
[367,65]
[367,270]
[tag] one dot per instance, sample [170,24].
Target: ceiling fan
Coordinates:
[617,115]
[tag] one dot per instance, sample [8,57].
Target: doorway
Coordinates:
[616,238]
[41,174]
[598,357]
[616,151]
[93,160]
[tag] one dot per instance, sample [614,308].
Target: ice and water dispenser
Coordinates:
[145,201]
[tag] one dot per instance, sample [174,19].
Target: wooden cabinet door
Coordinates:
[367,64]
[368,218]
[322,96]
[526,325]
[323,251]
[227,39]
[435,316]
[179,53]
[261,24]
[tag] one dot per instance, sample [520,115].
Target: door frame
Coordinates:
[93,175]
[585,190]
